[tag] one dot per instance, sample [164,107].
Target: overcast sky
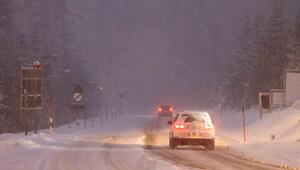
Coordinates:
[157,51]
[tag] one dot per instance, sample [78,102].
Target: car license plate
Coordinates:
[194,134]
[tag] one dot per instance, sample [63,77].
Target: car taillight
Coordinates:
[179,126]
[159,109]
[209,126]
[171,109]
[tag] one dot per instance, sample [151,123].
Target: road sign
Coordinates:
[77,97]
[31,88]
[77,104]
[36,64]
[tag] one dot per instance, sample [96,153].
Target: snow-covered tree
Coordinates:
[276,46]
[240,67]
[260,60]
[294,38]
[46,36]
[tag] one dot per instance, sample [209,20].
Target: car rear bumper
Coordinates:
[193,141]
[195,135]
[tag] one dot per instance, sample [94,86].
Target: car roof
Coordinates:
[193,113]
[198,113]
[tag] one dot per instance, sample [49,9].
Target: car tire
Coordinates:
[210,145]
[172,143]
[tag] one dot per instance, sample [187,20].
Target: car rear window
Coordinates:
[182,117]
[165,107]
[193,118]
[197,116]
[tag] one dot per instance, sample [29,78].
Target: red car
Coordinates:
[165,110]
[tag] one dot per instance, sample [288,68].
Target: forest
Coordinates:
[268,43]
[40,33]
[267,46]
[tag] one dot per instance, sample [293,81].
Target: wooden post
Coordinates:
[25,116]
[85,117]
[50,113]
[244,124]
[260,112]
[35,97]
[25,123]
[35,121]
[69,118]
[77,117]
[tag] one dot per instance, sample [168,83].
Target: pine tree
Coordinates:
[276,46]
[294,39]
[236,83]
[261,59]
[8,72]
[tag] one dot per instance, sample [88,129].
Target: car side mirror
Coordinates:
[170,122]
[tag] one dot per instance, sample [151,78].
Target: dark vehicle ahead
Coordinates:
[165,110]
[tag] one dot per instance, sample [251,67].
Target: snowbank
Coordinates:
[274,138]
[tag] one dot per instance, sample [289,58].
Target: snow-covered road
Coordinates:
[222,158]
[131,143]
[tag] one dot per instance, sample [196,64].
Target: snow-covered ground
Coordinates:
[116,144]
[283,124]
[120,144]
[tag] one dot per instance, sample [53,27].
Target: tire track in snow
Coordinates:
[144,163]
[76,156]
[31,158]
[109,160]
[213,160]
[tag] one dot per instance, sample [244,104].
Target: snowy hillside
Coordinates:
[283,125]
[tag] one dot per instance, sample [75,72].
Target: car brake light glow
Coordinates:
[179,126]
[159,109]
